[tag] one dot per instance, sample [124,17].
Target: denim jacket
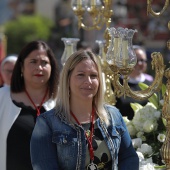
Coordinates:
[58,145]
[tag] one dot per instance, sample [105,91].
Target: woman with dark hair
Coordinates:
[33,91]
[82,132]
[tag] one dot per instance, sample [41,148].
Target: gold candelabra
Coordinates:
[100,13]
[120,59]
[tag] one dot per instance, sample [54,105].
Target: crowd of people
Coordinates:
[58,119]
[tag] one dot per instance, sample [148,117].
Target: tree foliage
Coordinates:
[25,29]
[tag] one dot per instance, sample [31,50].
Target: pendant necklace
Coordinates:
[91,166]
[37,107]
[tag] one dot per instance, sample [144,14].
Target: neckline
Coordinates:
[88,135]
[23,105]
[38,108]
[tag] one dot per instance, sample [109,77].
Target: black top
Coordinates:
[102,157]
[123,103]
[18,140]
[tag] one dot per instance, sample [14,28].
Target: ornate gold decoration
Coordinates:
[165,114]
[151,11]
[100,13]
[122,58]
[124,90]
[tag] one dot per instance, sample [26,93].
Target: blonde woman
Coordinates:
[82,132]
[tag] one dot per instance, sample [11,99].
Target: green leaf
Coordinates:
[143,86]
[154,98]
[160,167]
[136,106]
[164,121]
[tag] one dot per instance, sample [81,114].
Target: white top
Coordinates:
[8,114]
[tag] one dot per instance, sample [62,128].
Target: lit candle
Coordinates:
[67,53]
[93,2]
[103,55]
[125,52]
[104,83]
[79,2]
[116,51]
[70,50]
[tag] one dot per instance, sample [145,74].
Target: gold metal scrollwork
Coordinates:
[165,114]
[124,90]
[100,14]
[152,12]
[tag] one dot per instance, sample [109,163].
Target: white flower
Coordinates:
[147,166]
[161,137]
[149,160]
[126,120]
[145,149]
[141,135]
[140,156]
[147,113]
[149,126]
[137,142]
[131,129]
[157,114]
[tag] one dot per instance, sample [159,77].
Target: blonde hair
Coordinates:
[63,100]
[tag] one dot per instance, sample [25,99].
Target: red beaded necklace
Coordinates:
[89,139]
[37,107]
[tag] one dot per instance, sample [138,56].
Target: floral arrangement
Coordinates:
[147,130]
